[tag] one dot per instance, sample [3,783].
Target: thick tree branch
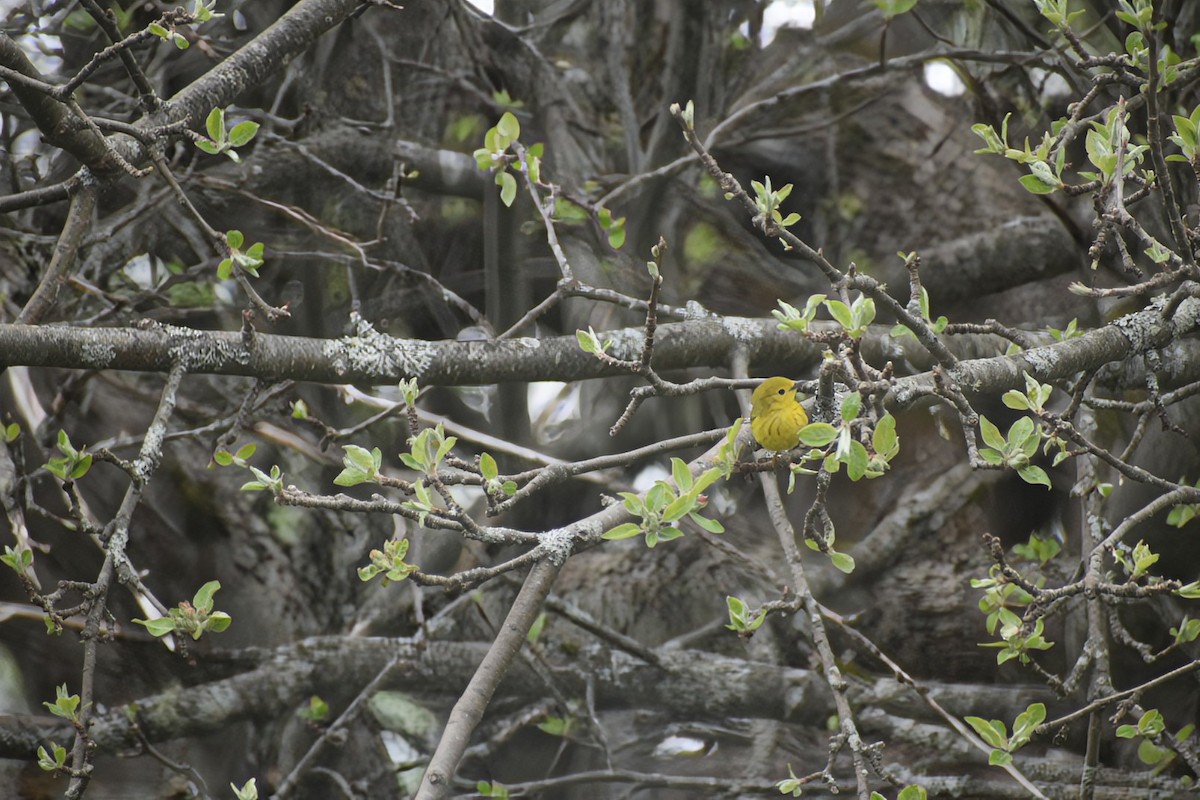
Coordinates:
[372,357]
[690,684]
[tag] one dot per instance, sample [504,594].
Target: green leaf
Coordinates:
[242,133]
[487,467]
[857,460]
[616,236]
[1027,721]
[1036,185]
[894,8]
[710,525]
[535,630]
[1189,591]
[999,758]
[317,710]
[680,474]
[81,467]
[248,791]
[884,440]
[843,561]
[1020,432]
[215,125]
[991,434]
[1014,399]
[677,508]
[658,496]
[47,762]
[158,627]
[443,449]
[818,434]
[554,726]
[633,504]
[509,127]
[840,313]
[21,559]
[1151,723]
[508,187]
[203,601]
[625,530]
[1151,754]
[1034,475]
[851,405]
[993,733]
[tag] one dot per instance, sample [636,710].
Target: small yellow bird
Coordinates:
[776,416]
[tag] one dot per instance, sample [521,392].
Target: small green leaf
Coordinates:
[818,434]
[487,467]
[710,525]
[840,313]
[1034,475]
[1014,399]
[993,733]
[317,710]
[203,601]
[158,627]
[680,474]
[851,405]
[508,187]
[215,125]
[843,561]
[509,127]
[535,630]
[81,467]
[242,133]
[625,530]
[991,434]
[884,440]
[248,791]
[1036,185]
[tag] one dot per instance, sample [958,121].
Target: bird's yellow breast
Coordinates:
[776,416]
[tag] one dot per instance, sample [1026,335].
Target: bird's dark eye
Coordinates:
[782,391]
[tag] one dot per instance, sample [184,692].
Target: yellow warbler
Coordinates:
[776,416]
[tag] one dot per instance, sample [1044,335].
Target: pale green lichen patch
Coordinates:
[372,354]
[198,352]
[98,355]
[626,343]
[742,329]
[1042,360]
[558,544]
